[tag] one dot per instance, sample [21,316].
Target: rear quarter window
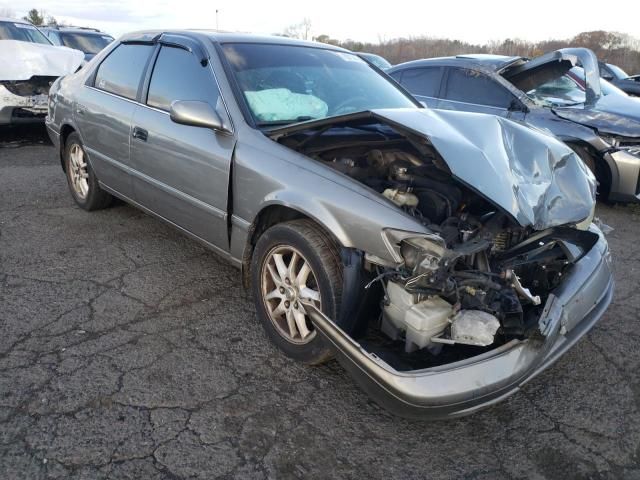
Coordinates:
[121,71]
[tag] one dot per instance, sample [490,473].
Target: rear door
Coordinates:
[182,172]
[473,91]
[422,82]
[103,111]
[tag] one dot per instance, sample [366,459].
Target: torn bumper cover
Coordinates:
[15,108]
[466,386]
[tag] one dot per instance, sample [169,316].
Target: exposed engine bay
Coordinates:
[479,279]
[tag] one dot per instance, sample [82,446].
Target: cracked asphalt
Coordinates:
[129,351]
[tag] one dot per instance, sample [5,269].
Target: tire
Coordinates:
[82,181]
[319,252]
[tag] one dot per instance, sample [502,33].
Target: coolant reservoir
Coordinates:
[418,320]
[400,198]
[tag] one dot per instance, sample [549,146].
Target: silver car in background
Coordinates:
[445,257]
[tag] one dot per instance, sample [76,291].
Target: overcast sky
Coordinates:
[473,21]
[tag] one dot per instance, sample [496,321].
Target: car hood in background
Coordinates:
[538,71]
[23,60]
[614,114]
[532,176]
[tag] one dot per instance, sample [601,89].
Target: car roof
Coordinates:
[62,29]
[229,37]
[14,20]
[491,62]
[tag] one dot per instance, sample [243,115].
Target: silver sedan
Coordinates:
[446,258]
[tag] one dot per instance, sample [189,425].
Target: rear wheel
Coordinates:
[296,261]
[82,181]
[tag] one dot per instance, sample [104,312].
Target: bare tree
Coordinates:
[300,30]
[613,47]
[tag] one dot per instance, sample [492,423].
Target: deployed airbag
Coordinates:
[282,104]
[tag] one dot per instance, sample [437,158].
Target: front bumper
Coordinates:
[18,109]
[466,386]
[625,178]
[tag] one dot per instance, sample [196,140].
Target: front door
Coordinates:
[182,172]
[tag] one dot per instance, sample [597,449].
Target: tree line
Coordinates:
[612,47]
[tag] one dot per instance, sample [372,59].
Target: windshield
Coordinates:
[377,60]
[85,42]
[285,84]
[568,90]
[23,32]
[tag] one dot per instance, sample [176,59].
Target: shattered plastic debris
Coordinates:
[604,228]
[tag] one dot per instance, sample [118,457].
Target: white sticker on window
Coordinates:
[349,57]
[25,26]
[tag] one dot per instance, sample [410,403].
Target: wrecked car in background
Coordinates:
[88,40]
[445,257]
[528,91]
[630,84]
[29,63]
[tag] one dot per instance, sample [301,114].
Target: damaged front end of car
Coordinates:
[505,273]
[28,71]
[24,100]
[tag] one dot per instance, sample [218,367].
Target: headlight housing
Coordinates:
[414,249]
[610,140]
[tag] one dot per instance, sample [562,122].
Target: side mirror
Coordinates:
[517,106]
[196,114]
[607,76]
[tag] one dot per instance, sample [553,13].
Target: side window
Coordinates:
[177,75]
[469,86]
[55,39]
[423,81]
[121,71]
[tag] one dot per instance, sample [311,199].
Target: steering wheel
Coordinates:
[349,105]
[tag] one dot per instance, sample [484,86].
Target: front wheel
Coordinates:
[82,181]
[296,261]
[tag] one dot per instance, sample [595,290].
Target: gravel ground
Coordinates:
[128,351]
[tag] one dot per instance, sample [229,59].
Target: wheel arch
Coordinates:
[275,213]
[605,169]
[66,130]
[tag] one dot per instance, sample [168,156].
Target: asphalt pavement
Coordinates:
[129,351]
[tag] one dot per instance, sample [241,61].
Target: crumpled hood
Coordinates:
[23,60]
[615,114]
[531,175]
